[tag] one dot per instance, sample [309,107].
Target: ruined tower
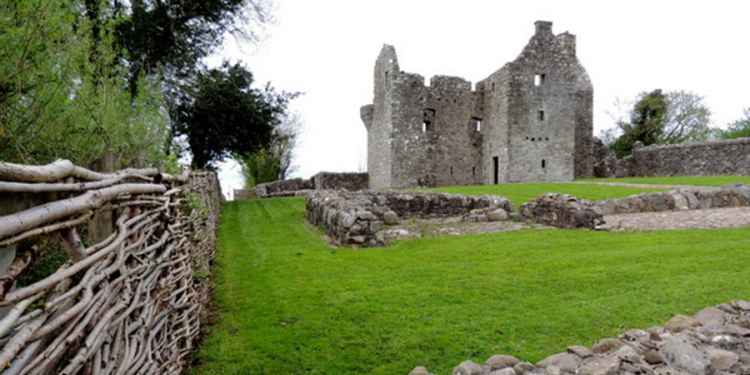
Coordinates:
[532,120]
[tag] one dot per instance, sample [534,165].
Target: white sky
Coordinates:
[327,49]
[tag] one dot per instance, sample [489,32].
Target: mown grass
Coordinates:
[522,193]
[290,304]
[679,180]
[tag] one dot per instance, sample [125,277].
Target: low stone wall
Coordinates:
[562,211]
[357,218]
[321,181]
[725,157]
[716,340]
[680,199]
[242,194]
[728,157]
[341,181]
[295,184]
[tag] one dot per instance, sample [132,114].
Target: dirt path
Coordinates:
[691,219]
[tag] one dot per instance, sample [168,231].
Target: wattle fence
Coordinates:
[129,301]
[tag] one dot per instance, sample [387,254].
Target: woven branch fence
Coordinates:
[129,303]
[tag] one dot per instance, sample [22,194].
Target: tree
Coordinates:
[737,129]
[687,118]
[646,123]
[170,37]
[273,162]
[658,118]
[62,89]
[222,114]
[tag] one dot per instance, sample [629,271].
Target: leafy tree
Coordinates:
[273,162]
[738,129]
[646,123]
[223,114]
[170,37]
[659,118]
[62,89]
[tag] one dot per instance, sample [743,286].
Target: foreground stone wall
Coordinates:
[562,211]
[716,340]
[357,218]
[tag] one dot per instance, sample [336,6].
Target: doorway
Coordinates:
[496,169]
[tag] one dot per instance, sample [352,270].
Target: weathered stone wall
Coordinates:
[357,218]
[532,120]
[680,199]
[283,186]
[242,194]
[716,340]
[728,157]
[562,211]
[340,181]
[725,157]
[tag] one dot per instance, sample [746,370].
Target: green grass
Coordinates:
[290,304]
[680,180]
[522,193]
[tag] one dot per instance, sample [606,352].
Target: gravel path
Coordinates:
[711,218]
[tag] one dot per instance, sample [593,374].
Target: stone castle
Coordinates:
[532,120]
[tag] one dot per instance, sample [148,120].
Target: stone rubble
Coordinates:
[360,218]
[562,211]
[715,341]
[678,199]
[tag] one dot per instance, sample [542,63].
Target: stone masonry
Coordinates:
[531,120]
[723,157]
[359,218]
[716,341]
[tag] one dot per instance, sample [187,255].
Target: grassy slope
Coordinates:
[522,193]
[681,180]
[291,304]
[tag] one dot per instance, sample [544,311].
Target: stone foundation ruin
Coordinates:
[360,218]
[716,340]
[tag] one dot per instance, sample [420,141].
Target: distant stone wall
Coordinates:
[727,157]
[242,194]
[716,340]
[357,218]
[340,181]
[283,186]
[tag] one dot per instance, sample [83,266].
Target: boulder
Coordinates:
[680,323]
[499,361]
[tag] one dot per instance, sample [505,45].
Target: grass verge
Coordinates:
[290,304]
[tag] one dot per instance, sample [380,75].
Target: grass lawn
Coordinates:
[522,193]
[680,180]
[290,304]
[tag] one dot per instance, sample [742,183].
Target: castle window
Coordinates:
[476,124]
[473,171]
[451,170]
[541,115]
[428,118]
[539,79]
[544,163]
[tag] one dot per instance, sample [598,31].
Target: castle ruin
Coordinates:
[532,120]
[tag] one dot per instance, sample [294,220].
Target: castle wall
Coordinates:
[495,105]
[542,111]
[377,119]
[536,117]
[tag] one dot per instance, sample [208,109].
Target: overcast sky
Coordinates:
[327,49]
